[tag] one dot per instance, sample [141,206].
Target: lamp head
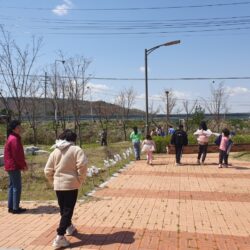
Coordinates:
[172,43]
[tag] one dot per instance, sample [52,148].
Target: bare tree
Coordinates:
[217,105]
[63,102]
[169,100]
[189,109]
[16,65]
[153,113]
[76,69]
[125,99]
[32,105]
[104,113]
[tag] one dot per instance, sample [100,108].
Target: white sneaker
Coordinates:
[60,241]
[70,230]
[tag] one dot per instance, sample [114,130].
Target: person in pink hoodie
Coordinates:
[225,146]
[14,163]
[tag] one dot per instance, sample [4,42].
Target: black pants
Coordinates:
[223,157]
[178,153]
[202,152]
[66,200]
[103,142]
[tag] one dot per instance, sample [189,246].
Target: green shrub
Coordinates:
[162,142]
[241,139]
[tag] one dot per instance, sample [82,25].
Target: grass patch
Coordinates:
[36,187]
[244,156]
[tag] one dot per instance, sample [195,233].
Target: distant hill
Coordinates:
[41,106]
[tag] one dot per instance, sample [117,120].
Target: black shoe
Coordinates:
[10,210]
[19,210]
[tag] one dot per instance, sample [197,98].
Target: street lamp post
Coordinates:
[55,96]
[147,52]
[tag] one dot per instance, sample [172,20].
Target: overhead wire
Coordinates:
[133,8]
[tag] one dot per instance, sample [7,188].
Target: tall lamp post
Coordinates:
[55,96]
[147,52]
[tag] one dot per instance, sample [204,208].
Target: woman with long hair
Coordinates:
[203,134]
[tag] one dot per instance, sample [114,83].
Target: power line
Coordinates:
[134,8]
[143,79]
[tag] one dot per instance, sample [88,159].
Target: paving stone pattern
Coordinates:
[161,207]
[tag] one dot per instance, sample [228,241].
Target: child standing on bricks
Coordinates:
[66,169]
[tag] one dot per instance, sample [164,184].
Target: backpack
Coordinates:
[179,138]
[229,146]
[218,140]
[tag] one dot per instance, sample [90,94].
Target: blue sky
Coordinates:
[214,34]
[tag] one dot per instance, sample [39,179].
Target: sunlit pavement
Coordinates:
[162,206]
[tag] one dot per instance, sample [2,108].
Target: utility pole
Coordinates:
[91,108]
[167,93]
[45,94]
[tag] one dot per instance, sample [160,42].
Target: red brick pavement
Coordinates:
[149,207]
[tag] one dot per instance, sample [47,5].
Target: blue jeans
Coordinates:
[15,189]
[137,150]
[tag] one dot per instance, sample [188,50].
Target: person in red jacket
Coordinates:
[14,163]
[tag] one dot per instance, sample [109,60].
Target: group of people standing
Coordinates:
[223,141]
[179,139]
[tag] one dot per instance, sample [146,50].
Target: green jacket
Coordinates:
[135,137]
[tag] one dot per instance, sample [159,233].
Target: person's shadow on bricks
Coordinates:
[43,210]
[122,237]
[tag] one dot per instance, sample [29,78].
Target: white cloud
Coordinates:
[181,95]
[160,97]
[233,91]
[63,9]
[97,88]
[142,69]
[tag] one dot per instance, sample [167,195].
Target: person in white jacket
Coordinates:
[203,134]
[66,169]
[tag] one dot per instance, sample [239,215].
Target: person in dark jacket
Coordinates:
[104,138]
[179,139]
[14,163]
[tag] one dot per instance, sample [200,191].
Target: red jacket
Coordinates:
[13,153]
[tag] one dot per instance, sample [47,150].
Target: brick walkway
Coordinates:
[149,207]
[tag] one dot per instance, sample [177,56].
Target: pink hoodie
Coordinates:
[223,143]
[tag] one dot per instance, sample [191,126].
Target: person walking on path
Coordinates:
[203,134]
[135,136]
[104,138]
[148,146]
[14,163]
[66,168]
[179,139]
[225,144]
